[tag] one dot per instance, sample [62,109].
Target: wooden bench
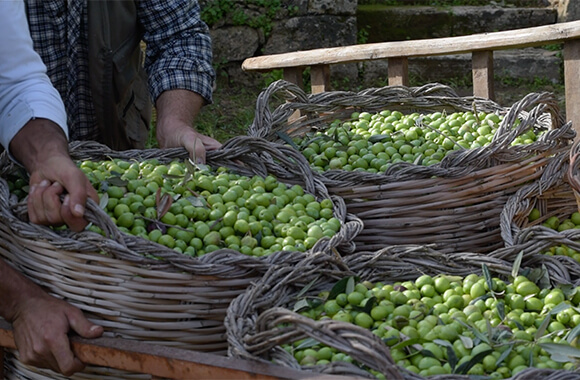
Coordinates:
[481,47]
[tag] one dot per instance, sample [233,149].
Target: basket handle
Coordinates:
[361,344]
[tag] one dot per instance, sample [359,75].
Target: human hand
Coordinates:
[41,325]
[48,182]
[176,112]
[180,134]
[43,150]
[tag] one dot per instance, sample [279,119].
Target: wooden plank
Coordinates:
[398,71]
[482,71]
[169,362]
[319,78]
[572,83]
[511,39]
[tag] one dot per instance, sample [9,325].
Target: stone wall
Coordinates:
[309,24]
[296,25]
[568,10]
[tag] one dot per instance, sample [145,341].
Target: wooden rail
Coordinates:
[168,362]
[481,46]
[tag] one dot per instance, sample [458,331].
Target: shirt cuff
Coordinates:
[20,112]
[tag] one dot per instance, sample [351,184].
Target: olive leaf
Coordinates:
[465,367]
[389,339]
[467,341]
[517,264]
[307,343]
[377,138]
[573,334]
[316,139]
[518,324]
[561,351]
[418,160]
[451,356]
[408,342]
[163,203]
[500,310]
[487,276]
[345,285]
[475,331]
[308,287]
[504,354]
[193,167]
[197,201]
[306,303]
[544,281]
[542,329]
[540,276]
[489,330]
[190,166]
[475,112]
[501,334]
[104,201]
[483,298]
[287,139]
[569,290]
[560,307]
[117,181]
[369,304]
[172,176]
[301,305]
[426,352]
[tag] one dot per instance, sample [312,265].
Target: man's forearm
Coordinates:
[37,140]
[13,288]
[178,105]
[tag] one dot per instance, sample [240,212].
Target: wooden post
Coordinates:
[294,75]
[319,78]
[482,71]
[398,71]
[572,83]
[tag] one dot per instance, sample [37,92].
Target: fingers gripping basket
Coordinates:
[455,204]
[261,320]
[174,299]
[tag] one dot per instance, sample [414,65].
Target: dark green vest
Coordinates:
[118,80]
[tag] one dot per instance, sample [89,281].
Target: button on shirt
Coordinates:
[178,54]
[25,89]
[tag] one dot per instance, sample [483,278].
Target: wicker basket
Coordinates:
[553,194]
[455,204]
[174,300]
[260,321]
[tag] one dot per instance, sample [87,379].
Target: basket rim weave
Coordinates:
[260,319]
[142,290]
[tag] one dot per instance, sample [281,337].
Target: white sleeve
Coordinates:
[25,90]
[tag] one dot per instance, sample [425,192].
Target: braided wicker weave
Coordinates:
[173,300]
[553,194]
[455,204]
[260,320]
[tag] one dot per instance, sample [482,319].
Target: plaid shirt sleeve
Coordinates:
[179,52]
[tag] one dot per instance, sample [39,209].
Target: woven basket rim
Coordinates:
[254,318]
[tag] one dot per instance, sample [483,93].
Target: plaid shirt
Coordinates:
[178,53]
